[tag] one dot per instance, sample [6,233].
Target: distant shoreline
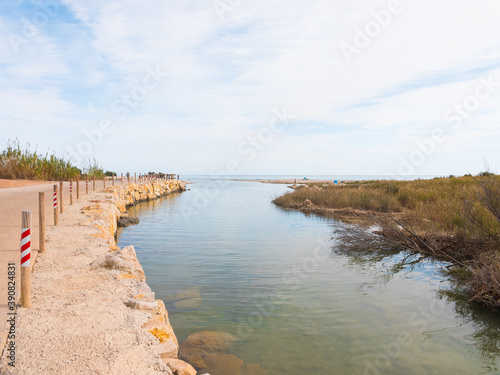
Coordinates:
[297,181]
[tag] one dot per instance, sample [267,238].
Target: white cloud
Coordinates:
[229,74]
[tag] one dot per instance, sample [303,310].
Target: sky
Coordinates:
[230,87]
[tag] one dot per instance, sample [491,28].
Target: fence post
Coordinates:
[86,185]
[25,259]
[93,183]
[61,192]
[71,192]
[104,182]
[113,179]
[121,179]
[135,177]
[78,188]
[41,222]
[56,217]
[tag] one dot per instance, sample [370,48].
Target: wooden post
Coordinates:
[71,193]
[121,179]
[60,200]
[41,222]
[135,177]
[25,259]
[93,184]
[86,185]
[56,213]
[113,179]
[104,182]
[78,188]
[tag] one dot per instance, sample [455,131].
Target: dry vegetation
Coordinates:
[454,219]
[19,163]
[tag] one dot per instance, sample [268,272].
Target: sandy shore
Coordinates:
[299,182]
[86,319]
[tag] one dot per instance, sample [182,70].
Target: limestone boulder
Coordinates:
[126,220]
[138,304]
[160,313]
[179,367]
[124,260]
[162,331]
[166,349]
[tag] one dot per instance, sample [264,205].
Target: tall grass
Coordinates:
[439,206]
[92,168]
[22,163]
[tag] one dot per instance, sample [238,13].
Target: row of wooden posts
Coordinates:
[58,203]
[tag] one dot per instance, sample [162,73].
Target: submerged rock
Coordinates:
[208,342]
[207,351]
[189,299]
[223,364]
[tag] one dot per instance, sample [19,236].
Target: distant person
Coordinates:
[177,176]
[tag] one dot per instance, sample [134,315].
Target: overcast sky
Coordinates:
[255,86]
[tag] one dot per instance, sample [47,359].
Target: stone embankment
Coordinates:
[124,264]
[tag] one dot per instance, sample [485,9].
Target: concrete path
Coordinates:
[12,202]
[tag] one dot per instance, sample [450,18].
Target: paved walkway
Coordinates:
[12,202]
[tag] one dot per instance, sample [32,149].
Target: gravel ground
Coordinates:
[78,322]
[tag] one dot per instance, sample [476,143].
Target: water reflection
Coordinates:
[486,334]
[367,250]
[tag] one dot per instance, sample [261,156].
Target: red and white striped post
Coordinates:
[26,259]
[56,214]
[71,192]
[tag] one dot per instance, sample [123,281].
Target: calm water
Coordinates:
[224,258]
